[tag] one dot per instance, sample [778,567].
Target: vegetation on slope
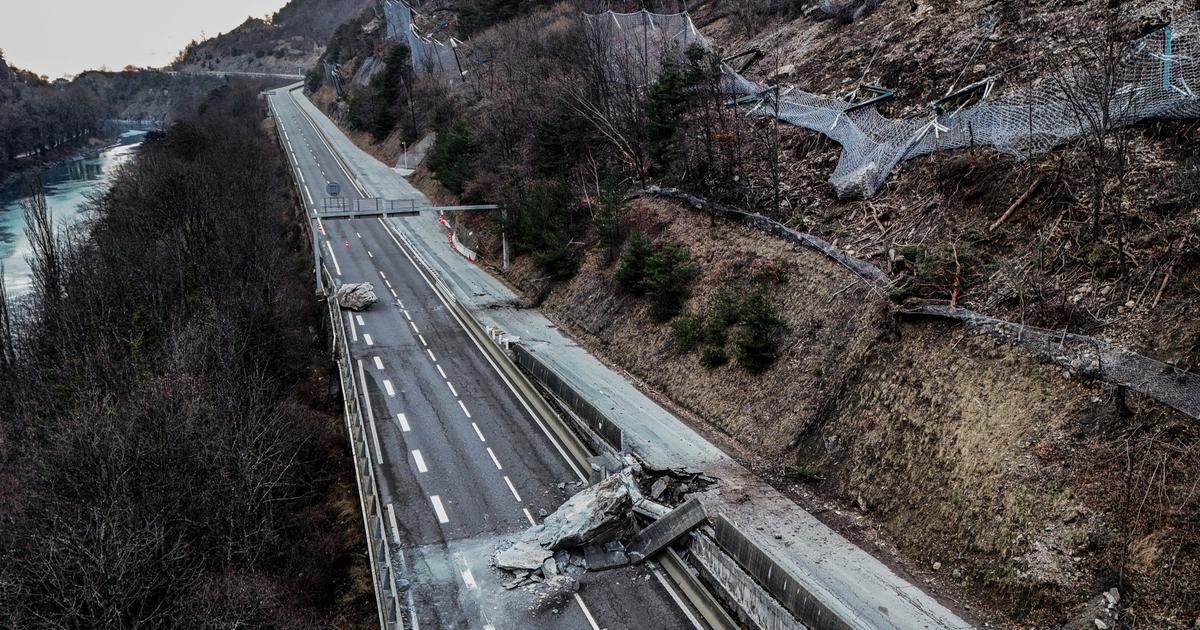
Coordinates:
[291,38]
[169,456]
[36,117]
[1032,490]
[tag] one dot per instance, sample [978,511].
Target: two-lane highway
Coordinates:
[462,463]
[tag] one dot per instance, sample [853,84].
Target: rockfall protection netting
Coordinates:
[429,56]
[1152,77]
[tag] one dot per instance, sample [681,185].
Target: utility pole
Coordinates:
[504,240]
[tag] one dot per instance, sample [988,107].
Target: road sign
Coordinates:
[333,188]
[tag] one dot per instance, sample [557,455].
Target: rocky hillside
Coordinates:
[1008,485]
[290,41]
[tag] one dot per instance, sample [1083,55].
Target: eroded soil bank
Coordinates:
[993,474]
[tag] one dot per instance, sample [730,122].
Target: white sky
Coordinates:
[56,37]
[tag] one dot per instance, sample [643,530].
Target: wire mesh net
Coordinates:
[1150,77]
[429,56]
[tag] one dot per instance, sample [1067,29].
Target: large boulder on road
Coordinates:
[356,296]
[599,514]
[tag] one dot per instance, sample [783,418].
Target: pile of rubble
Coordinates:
[594,530]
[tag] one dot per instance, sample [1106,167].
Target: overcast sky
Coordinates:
[56,37]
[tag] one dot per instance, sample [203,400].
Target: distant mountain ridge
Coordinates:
[289,41]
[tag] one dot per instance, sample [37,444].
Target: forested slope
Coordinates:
[290,39]
[170,455]
[997,480]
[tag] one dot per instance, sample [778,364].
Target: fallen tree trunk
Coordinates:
[1088,356]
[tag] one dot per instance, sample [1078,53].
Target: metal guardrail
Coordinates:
[375,522]
[351,207]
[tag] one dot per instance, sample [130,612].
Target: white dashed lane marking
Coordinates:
[512,488]
[438,509]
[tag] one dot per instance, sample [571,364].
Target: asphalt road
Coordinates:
[461,462]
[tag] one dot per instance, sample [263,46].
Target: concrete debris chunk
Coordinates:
[667,529]
[356,296]
[610,556]
[553,592]
[596,515]
[526,553]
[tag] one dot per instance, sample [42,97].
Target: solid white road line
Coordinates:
[494,460]
[529,516]
[353,329]
[441,371]
[359,319]
[437,507]
[541,425]
[388,386]
[478,432]
[400,556]
[370,414]
[512,488]
[403,420]
[336,266]
[586,613]
[378,363]
[367,338]
[431,357]
[452,390]
[419,460]
[464,408]
[392,522]
[675,596]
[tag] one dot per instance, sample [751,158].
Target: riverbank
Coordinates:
[90,147]
[181,346]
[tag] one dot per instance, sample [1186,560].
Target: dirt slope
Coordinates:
[1006,474]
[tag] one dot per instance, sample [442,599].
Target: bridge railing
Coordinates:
[376,523]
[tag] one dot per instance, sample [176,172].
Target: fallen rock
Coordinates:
[526,553]
[553,592]
[356,296]
[596,515]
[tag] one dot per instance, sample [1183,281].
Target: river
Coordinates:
[68,187]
